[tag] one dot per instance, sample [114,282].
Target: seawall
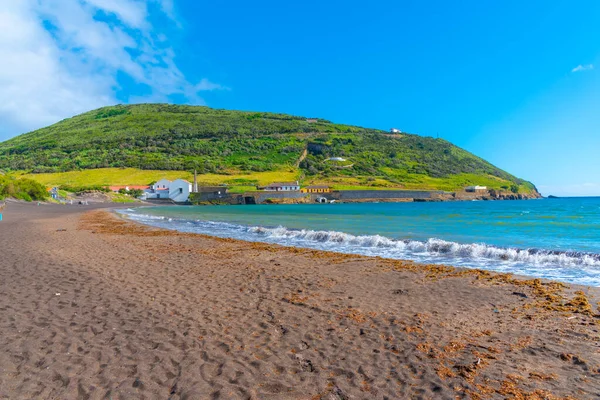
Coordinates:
[269,197]
[350,196]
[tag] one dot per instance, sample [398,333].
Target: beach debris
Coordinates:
[304,345]
[61,230]
[465,370]
[270,316]
[173,389]
[337,394]
[399,291]
[523,295]
[137,383]
[305,364]
[57,294]
[283,329]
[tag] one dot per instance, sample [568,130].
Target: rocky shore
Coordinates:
[494,195]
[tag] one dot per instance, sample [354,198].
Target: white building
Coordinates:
[394,130]
[336,159]
[283,187]
[178,190]
[162,184]
[475,188]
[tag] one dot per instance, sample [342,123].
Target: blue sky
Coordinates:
[516,83]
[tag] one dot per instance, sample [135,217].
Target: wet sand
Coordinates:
[95,307]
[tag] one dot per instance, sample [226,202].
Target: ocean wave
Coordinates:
[569,266]
[435,247]
[141,217]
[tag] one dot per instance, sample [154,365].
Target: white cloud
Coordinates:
[132,13]
[168,7]
[581,67]
[62,57]
[205,85]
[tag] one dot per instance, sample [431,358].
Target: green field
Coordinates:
[244,182]
[131,176]
[138,144]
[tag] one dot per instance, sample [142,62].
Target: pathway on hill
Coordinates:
[302,157]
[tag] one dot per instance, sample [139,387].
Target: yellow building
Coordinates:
[315,189]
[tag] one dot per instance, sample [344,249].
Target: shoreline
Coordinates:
[529,260]
[110,307]
[448,268]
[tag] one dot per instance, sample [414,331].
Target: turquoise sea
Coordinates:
[548,238]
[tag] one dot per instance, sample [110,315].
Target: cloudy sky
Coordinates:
[517,83]
[63,57]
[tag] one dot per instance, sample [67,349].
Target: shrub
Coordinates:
[136,193]
[84,189]
[24,189]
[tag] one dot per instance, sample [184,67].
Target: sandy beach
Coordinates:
[96,307]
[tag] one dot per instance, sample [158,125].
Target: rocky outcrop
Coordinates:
[502,195]
[494,194]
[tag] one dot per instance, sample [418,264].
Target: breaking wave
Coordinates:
[568,266]
[436,247]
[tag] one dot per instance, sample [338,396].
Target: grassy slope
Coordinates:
[142,143]
[133,176]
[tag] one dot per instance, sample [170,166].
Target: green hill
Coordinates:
[236,143]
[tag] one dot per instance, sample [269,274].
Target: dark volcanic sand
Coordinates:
[112,310]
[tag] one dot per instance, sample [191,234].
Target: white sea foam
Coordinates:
[574,267]
[435,247]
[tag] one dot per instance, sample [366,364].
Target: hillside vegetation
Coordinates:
[240,148]
[21,188]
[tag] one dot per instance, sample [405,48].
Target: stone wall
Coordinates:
[261,197]
[214,198]
[343,195]
[384,194]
